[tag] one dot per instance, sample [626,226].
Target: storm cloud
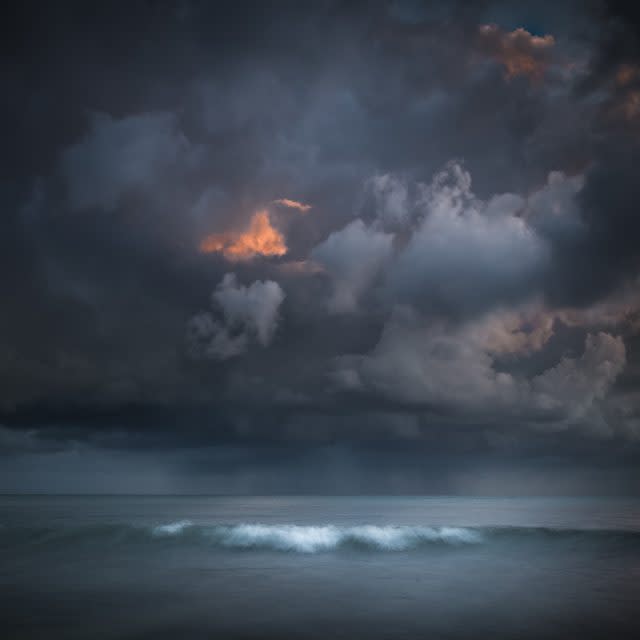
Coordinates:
[245,240]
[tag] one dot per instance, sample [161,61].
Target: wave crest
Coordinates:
[313,539]
[307,538]
[171,529]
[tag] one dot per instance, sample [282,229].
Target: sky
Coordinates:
[331,247]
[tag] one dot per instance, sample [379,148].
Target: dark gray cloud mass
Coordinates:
[332,247]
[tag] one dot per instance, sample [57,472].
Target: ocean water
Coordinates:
[318,567]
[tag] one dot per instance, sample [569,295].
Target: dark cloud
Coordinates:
[249,314]
[458,283]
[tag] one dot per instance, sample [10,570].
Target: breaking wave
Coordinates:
[307,539]
[311,539]
[172,528]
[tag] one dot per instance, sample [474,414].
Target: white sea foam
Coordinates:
[172,529]
[316,538]
[312,539]
[398,538]
[283,537]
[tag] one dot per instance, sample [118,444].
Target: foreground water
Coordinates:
[318,567]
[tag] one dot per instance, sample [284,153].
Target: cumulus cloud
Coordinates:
[514,332]
[354,257]
[120,155]
[467,255]
[520,52]
[575,384]
[456,254]
[554,211]
[248,315]
[210,338]
[390,199]
[453,368]
[441,249]
[427,365]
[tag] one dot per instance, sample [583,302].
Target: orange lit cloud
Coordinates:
[520,52]
[259,239]
[626,74]
[630,105]
[293,204]
[624,104]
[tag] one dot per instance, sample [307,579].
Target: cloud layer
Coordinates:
[404,233]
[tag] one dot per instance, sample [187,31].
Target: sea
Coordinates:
[195,567]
